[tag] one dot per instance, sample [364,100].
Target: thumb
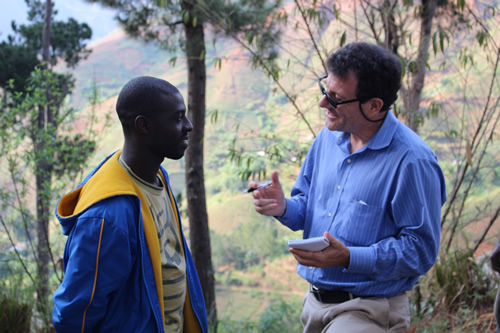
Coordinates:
[275,179]
[329,236]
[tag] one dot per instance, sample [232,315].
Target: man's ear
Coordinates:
[142,124]
[376,105]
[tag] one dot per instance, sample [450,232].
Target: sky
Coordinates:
[98,18]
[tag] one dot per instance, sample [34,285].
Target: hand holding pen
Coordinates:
[251,189]
[268,198]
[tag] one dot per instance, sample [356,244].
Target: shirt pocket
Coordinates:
[361,224]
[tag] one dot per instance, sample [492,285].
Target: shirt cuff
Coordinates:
[361,260]
[290,211]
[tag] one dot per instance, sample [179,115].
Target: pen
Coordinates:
[250,190]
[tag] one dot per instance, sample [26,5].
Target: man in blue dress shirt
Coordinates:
[373,188]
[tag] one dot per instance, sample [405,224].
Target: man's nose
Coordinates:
[188,126]
[323,102]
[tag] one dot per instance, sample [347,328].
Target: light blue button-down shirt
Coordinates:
[383,202]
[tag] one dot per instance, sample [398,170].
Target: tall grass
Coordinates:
[15,311]
[459,279]
[457,295]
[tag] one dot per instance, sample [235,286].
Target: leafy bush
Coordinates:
[280,316]
[250,244]
[459,279]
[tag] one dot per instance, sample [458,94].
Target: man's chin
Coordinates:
[331,125]
[177,155]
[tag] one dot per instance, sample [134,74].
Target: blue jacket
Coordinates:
[112,261]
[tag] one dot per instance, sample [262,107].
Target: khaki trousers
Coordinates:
[371,315]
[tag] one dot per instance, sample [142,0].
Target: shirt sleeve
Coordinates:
[297,205]
[98,260]
[416,212]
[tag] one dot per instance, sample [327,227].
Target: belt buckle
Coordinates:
[315,291]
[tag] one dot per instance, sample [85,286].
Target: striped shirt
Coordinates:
[173,261]
[383,202]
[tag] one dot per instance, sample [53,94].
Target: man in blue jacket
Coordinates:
[126,262]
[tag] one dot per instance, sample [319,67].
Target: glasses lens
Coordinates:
[332,102]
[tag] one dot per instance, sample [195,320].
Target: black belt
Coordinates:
[331,296]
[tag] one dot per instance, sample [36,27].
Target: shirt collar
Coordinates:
[380,140]
[384,135]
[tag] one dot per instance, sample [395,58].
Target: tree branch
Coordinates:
[304,17]
[17,252]
[490,224]
[464,171]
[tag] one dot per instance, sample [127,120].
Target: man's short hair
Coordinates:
[378,71]
[142,96]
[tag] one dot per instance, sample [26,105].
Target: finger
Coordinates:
[305,262]
[330,237]
[260,202]
[261,206]
[252,184]
[260,194]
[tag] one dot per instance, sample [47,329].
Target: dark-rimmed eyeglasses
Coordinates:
[333,102]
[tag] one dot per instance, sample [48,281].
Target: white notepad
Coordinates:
[311,244]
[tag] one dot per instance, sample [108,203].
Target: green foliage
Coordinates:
[16,64]
[246,21]
[235,278]
[439,38]
[28,105]
[38,144]
[19,55]
[15,317]
[459,279]
[268,147]
[66,40]
[249,244]
[15,310]
[279,316]
[275,150]
[45,155]
[68,160]
[456,295]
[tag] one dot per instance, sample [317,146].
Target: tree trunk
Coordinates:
[43,176]
[391,30]
[411,94]
[195,182]
[42,232]
[417,71]
[46,34]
